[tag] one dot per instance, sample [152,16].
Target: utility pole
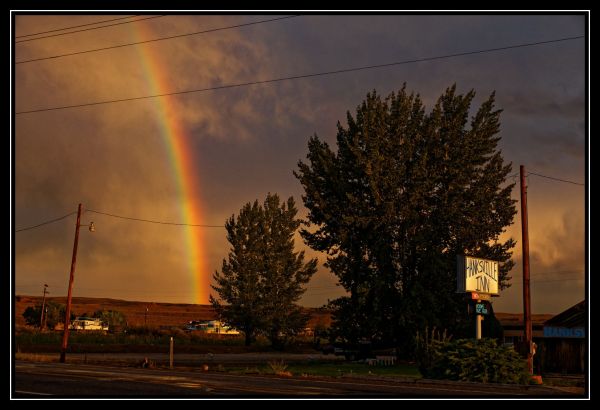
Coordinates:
[145,315]
[171,353]
[63,350]
[43,306]
[526,294]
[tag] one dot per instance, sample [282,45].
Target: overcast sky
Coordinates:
[246,141]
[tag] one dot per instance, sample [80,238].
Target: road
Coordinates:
[46,380]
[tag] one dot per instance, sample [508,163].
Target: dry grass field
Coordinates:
[159,314]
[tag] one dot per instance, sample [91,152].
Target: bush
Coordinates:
[428,348]
[473,360]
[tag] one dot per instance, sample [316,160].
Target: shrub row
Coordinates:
[471,360]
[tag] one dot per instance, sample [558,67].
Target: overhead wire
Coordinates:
[274,80]
[153,40]
[121,217]
[89,29]
[81,25]
[45,223]
[557,280]
[155,222]
[555,179]
[557,272]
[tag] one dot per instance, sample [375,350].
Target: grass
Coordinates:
[143,339]
[279,367]
[306,369]
[136,337]
[340,369]
[563,381]
[34,357]
[325,369]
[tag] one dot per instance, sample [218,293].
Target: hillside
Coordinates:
[159,314]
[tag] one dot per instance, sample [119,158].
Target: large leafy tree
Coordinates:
[262,278]
[55,314]
[405,193]
[113,318]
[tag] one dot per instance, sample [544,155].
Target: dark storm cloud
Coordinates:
[549,105]
[247,141]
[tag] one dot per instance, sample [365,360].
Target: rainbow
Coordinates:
[187,176]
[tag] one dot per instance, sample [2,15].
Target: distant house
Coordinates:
[88,323]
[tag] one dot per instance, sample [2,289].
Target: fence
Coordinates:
[382,361]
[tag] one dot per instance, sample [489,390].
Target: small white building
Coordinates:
[88,323]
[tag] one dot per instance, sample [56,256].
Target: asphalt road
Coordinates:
[47,380]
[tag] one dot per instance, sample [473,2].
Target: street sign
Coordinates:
[563,332]
[480,296]
[481,309]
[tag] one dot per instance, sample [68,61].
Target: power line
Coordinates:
[122,217]
[156,39]
[534,281]
[45,223]
[556,280]
[347,70]
[81,25]
[155,222]
[513,177]
[89,29]
[555,179]
[557,272]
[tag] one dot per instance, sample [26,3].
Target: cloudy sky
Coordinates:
[244,142]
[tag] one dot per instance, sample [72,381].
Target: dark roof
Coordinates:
[572,317]
[516,319]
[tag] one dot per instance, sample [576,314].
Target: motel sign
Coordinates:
[477,275]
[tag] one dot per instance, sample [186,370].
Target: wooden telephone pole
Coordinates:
[526,294]
[63,350]
[43,306]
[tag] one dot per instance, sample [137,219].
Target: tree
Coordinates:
[111,317]
[405,193]
[262,278]
[55,313]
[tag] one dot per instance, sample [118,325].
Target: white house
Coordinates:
[88,323]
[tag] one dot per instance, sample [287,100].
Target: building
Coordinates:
[512,326]
[560,339]
[563,348]
[88,323]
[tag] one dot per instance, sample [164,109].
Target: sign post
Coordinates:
[478,278]
[478,320]
[480,311]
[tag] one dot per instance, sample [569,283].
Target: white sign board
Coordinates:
[476,275]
